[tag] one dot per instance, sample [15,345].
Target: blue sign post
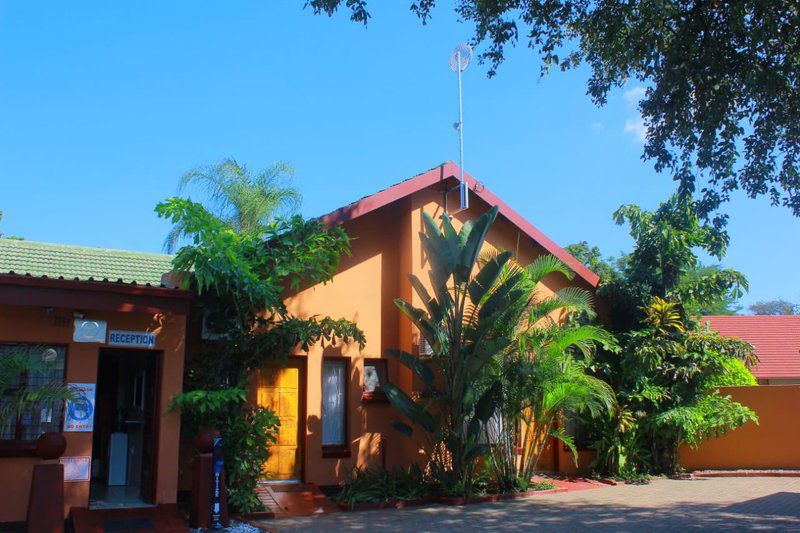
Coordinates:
[216,485]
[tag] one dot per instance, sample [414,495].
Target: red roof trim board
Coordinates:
[441,173]
[776,339]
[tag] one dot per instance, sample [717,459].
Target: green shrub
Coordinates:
[735,374]
[247,438]
[364,485]
[247,434]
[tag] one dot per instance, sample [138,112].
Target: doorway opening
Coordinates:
[124,441]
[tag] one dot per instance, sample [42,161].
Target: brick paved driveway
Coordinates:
[665,504]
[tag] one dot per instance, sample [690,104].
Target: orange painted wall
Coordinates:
[31,325]
[772,444]
[385,248]
[362,291]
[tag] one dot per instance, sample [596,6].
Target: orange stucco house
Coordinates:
[333,418]
[112,328]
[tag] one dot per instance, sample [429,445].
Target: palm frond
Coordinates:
[576,299]
[545,265]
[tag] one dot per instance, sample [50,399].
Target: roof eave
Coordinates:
[95,286]
[451,170]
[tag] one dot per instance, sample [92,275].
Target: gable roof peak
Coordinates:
[443,172]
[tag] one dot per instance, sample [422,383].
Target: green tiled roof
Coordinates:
[61,261]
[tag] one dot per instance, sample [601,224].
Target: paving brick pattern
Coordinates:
[714,504]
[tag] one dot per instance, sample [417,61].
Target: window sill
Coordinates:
[335,452]
[374,397]
[13,448]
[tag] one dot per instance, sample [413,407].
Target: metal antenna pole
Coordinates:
[464,192]
[459,60]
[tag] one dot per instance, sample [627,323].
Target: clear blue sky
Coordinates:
[104,106]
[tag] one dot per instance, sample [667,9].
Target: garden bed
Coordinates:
[446,500]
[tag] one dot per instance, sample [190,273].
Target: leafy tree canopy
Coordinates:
[774,307]
[607,268]
[664,263]
[240,259]
[723,303]
[666,376]
[240,279]
[722,91]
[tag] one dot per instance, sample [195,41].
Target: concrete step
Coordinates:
[294,499]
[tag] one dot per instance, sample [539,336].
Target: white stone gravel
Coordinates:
[235,527]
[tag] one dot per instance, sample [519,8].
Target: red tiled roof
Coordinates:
[444,172]
[776,339]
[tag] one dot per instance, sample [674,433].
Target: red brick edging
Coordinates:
[746,473]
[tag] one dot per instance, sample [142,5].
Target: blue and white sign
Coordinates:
[135,339]
[89,331]
[79,413]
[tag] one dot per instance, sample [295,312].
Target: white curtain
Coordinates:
[333,400]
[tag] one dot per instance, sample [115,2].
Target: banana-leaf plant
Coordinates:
[468,319]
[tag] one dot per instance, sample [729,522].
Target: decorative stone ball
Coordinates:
[51,445]
[205,440]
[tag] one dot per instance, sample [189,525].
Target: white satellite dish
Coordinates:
[459,60]
[460,57]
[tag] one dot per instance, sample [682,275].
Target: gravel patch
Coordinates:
[235,527]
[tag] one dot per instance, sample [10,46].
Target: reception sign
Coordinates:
[133,339]
[79,413]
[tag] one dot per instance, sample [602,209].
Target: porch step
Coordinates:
[293,499]
[164,518]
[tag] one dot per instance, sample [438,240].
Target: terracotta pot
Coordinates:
[204,442]
[51,445]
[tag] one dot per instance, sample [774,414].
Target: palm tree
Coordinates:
[242,200]
[545,374]
[20,396]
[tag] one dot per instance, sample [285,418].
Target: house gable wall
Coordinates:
[385,248]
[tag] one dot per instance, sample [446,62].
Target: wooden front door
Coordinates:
[279,388]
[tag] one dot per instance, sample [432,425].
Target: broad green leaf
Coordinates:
[403,403]
[403,428]
[468,255]
[420,368]
[486,277]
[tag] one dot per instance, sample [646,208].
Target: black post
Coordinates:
[216,485]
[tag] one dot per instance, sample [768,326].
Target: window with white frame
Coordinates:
[334,403]
[26,369]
